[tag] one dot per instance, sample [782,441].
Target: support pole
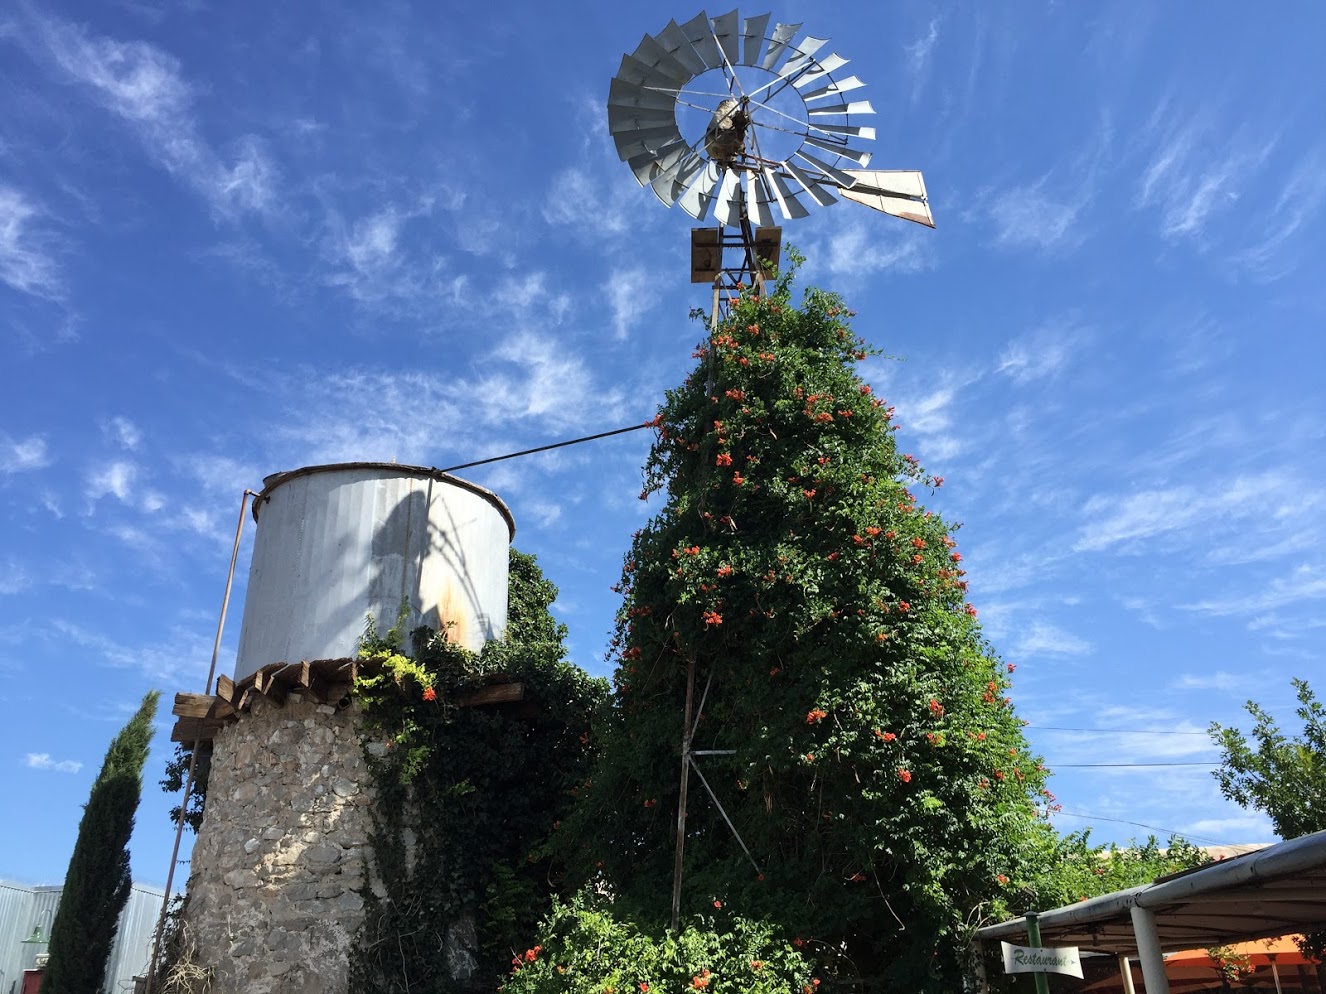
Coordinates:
[1126,971]
[1034,939]
[193,754]
[1148,951]
[978,968]
[1275,974]
[681,797]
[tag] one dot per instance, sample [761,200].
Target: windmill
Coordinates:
[724,116]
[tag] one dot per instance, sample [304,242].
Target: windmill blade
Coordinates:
[632,70]
[849,130]
[652,54]
[646,141]
[625,94]
[860,158]
[621,119]
[900,192]
[759,200]
[783,196]
[651,163]
[854,107]
[671,183]
[701,36]
[817,193]
[803,55]
[839,86]
[728,208]
[725,30]
[783,33]
[837,176]
[820,69]
[674,42]
[752,34]
[697,198]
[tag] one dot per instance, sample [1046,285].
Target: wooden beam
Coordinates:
[193,705]
[190,730]
[225,688]
[497,693]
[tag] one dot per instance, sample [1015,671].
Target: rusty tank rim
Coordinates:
[270,483]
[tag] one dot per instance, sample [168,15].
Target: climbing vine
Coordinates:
[466,795]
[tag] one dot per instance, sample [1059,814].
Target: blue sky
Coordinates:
[237,239]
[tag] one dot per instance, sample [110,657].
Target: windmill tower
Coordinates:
[722,116]
[728,118]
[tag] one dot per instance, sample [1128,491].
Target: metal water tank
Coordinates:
[338,543]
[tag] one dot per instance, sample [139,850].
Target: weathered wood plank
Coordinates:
[193,705]
[497,693]
[189,730]
[225,688]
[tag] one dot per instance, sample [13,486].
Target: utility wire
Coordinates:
[1119,766]
[1084,816]
[1116,731]
[545,448]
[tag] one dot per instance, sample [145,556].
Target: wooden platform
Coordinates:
[328,681]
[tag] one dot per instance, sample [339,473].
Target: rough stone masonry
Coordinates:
[279,863]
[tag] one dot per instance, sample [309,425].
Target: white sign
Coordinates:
[1034,959]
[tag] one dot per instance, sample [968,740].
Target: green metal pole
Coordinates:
[1034,939]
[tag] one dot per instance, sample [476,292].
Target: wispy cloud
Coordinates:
[1042,352]
[26,262]
[22,454]
[1219,680]
[1040,638]
[1303,583]
[123,433]
[181,653]
[43,761]
[1032,217]
[144,87]
[115,479]
[1300,201]
[918,57]
[631,293]
[856,251]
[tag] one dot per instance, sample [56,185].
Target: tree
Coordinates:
[96,886]
[1284,778]
[878,774]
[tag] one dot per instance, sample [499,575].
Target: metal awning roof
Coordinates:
[1272,891]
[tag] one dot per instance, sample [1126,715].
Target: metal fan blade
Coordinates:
[900,192]
[725,30]
[627,118]
[758,200]
[728,209]
[752,33]
[850,130]
[673,181]
[651,53]
[649,163]
[623,93]
[802,55]
[854,107]
[783,33]
[697,198]
[634,71]
[839,177]
[839,86]
[674,42]
[698,32]
[821,69]
[786,200]
[645,140]
[817,193]
[860,158]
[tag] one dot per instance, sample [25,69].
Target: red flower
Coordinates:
[1001,878]
[809,494]
[904,606]
[816,715]
[644,988]
[712,618]
[430,694]
[884,736]
[919,543]
[936,708]
[955,556]
[725,570]
[904,775]
[970,610]
[718,904]
[724,459]
[692,550]
[738,479]
[650,802]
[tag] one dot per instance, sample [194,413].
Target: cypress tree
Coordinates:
[96,886]
[879,776]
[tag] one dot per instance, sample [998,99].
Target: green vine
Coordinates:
[466,796]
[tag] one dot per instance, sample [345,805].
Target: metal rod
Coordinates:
[719,804]
[193,752]
[545,448]
[1148,950]
[1126,971]
[681,799]
[713,752]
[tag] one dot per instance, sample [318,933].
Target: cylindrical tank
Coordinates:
[336,544]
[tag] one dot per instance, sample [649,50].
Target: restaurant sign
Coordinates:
[1036,959]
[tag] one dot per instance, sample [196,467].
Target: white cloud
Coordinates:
[22,455]
[43,761]
[144,87]
[1027,217]
[1043,639]
[1219,680]
[124,432]
[14,578]
[26,264]
[631,293]
[856,250]
[1301,198]
[918,57]
[1304,583]
[115,479]
[1042,353]
[182,654]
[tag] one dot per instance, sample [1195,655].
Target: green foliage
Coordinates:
[583,949]
[1283,777]
[1077,870]
[177,773]
[96,885]
[466,795]
[881,778]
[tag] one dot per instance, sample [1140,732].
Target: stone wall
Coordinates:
[279,863]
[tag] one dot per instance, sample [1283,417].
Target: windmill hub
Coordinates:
[725,138]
